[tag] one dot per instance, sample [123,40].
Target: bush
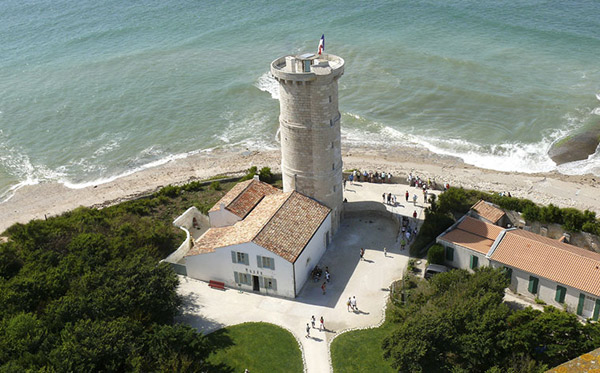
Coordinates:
[434,224]
[531,213]
[250,173]
[551,214]
[573,219]
[215,185]
[436,254]
[266,175]
[169,191]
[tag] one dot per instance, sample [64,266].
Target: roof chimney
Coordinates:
[256,178]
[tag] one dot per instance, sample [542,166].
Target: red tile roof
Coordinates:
[281,222]
[244,196]
[554,260]
[473,234]
[488,211]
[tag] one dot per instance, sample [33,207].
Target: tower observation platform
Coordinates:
[309,121]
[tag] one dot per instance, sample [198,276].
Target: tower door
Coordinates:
[255,284]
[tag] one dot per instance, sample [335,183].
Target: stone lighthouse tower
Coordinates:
[311,156]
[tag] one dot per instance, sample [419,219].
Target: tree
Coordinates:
[436,254]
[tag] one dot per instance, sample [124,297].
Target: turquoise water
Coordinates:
[93,90]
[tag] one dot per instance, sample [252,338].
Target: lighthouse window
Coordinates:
[331,122]
[332,145]
[329,98]
[333,166]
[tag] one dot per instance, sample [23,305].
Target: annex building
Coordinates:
[260,239]
[539,267]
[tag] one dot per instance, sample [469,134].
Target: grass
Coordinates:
[258,347]
[360,351]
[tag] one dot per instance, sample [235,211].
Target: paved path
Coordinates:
[208,309]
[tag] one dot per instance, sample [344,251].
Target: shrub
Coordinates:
[194,186]
[434,224]
[215,185]
[573,219]
[250,173]
[169,191]
[266,175]
[551,214]
[531,213]
[435,254]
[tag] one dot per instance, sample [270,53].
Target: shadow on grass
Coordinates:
[217,341]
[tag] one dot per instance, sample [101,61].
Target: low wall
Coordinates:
[370,208]
[185,222]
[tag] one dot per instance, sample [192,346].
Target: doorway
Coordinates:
[255,284]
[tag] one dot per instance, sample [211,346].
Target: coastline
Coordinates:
[49,199]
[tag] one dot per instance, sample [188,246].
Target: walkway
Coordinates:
[207,309]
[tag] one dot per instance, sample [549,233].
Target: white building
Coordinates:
[539,267]
[261,239]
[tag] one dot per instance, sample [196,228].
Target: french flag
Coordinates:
[322,44]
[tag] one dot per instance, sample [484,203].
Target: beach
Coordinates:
[50,199]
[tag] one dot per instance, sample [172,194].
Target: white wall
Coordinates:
[462,256]
[218,266]
[312,253]
[222,217]
[547,291]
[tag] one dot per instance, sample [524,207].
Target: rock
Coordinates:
[575,147]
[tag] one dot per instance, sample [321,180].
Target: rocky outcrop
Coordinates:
[575,147]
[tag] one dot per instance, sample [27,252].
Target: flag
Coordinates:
[322,44]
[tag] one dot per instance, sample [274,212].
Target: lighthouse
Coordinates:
[309,127]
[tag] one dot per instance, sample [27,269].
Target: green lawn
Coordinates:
[360,351]
[258,347]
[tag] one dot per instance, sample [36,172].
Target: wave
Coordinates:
[267,83]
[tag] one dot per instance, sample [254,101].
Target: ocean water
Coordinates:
[90,91]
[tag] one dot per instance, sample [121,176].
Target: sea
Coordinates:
[91,90]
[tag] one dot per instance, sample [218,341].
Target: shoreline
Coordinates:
[50,199]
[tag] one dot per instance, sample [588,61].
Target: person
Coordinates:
[312,321]
[327,275]
[389,198]
[323,287]
[345,183]
[362,253]
[424,195]
[307,330]
[406,196]
[414,199]
[394,199]
[354,306]
[403,243]
[322,325]
[383,195]
[348,303]
[415,214]
[389,178]
[384,252]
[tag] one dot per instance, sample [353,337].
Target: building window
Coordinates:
[581,303]
[333,167]
[508,273]
[241,258]
[270,283]
[242,278]
[560,294]
[533,284]
[332,145]
[265,262]
[449,253]
[330,99]
[474,262]
[330,122]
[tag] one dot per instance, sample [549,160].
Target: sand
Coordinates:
[48,199]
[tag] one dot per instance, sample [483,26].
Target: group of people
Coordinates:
[318,272]
[417,181]
[351,303]
[371,177]
[313,322]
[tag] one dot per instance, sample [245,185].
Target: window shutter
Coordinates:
[272,263]
[236,277]
[560,294]
[580,305]
[449,253]
[233,257]
[596,310]
[259,261]
[246,259]
[261,282]
[508,274]
[533,284]
[474,261]
[274,284]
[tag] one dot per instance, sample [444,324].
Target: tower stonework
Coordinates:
[309,127]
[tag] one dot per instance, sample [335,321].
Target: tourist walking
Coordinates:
[384,252]
[362,253]
[349,303]
[383,197]
[406,196]
[322,325]
[402,243]
[323,287]
[312,321]
[353,303]
[415,214]
[307,330]
[415,199]
[327,275]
